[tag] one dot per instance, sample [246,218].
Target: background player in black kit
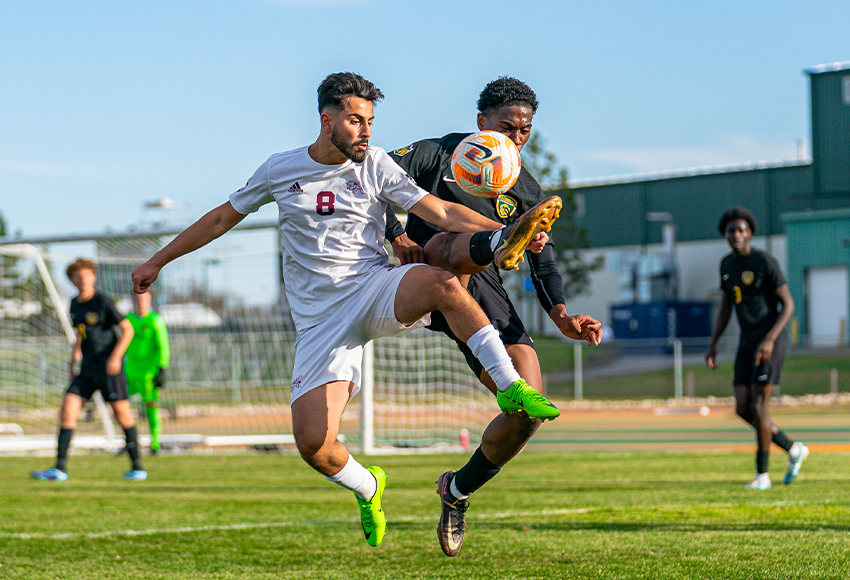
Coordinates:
[102,350]
[752,281]
[506,105]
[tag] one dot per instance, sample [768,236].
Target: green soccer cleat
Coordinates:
[517,234]
[521,397]
[371,513]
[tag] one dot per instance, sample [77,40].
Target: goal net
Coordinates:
[232,344]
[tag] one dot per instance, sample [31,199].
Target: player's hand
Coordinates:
[113,365]
[765,351]
[159,379]
[535,245]
[591,329]
[143,276]
[72,372]
[710,356]
[408,251]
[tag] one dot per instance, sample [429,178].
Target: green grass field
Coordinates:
[611,515]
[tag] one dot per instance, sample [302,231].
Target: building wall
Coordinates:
[815,239]
[698,267]
[830,93]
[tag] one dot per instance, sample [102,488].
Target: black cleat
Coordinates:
[452,525]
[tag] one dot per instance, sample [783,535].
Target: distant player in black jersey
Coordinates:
[102,350]
[752,281]
[506,105]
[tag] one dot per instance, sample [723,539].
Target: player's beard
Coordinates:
[348,149]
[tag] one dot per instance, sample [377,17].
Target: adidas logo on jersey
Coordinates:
[295,189]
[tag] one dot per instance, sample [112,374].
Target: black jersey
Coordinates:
[751,281]
[428,162]
[95,321]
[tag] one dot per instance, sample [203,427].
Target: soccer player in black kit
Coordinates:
[101,348]
[752,280]
[506,105]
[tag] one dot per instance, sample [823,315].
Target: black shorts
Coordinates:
[767,373]
[494,301]
[112,387]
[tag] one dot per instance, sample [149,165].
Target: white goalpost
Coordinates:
[232,341]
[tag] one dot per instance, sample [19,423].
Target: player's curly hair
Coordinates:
[80,264]
[506,91]
[737,213]
[338,86]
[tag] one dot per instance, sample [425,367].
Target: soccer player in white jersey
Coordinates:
[331,197]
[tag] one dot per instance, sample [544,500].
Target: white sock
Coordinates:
[354,477]
[496,239]
[454,490]
[488,348]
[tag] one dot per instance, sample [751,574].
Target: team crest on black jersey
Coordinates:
[91,318]
[505,206]
[747,277]
[403,151]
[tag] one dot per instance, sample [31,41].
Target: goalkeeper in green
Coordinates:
[147,358]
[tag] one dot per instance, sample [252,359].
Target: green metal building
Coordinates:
[807,202]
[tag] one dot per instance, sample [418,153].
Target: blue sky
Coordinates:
[107,105]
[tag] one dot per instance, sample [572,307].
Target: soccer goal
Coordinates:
[232,342]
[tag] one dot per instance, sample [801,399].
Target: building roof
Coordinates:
[689,172]
[828,67]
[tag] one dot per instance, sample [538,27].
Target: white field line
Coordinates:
[119,533]
[405,519]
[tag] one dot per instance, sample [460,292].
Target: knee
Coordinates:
[746,412]
[313,450]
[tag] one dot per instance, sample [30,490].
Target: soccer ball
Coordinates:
[486,164]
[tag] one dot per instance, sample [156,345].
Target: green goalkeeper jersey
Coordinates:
[149,350]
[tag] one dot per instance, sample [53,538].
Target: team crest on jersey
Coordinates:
[403,151]
[747,277]
[91,318]
[296,382]
[354,187]
[505,206]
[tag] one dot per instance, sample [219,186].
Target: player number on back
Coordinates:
[325,203]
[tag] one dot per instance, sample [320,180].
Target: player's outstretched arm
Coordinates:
[452,217]
[215,223]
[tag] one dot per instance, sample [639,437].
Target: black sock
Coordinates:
[782,440]
[762,459]
[62,448]
[479,247]
[133,447]
[477,471]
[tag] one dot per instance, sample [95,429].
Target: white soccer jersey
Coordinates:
[331,220]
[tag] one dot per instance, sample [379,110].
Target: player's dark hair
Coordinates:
[737,213]
[80,264]
[506,91]
[339,86]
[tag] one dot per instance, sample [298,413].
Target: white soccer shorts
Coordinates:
[333,350]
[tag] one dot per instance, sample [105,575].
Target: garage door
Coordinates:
[826,293]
